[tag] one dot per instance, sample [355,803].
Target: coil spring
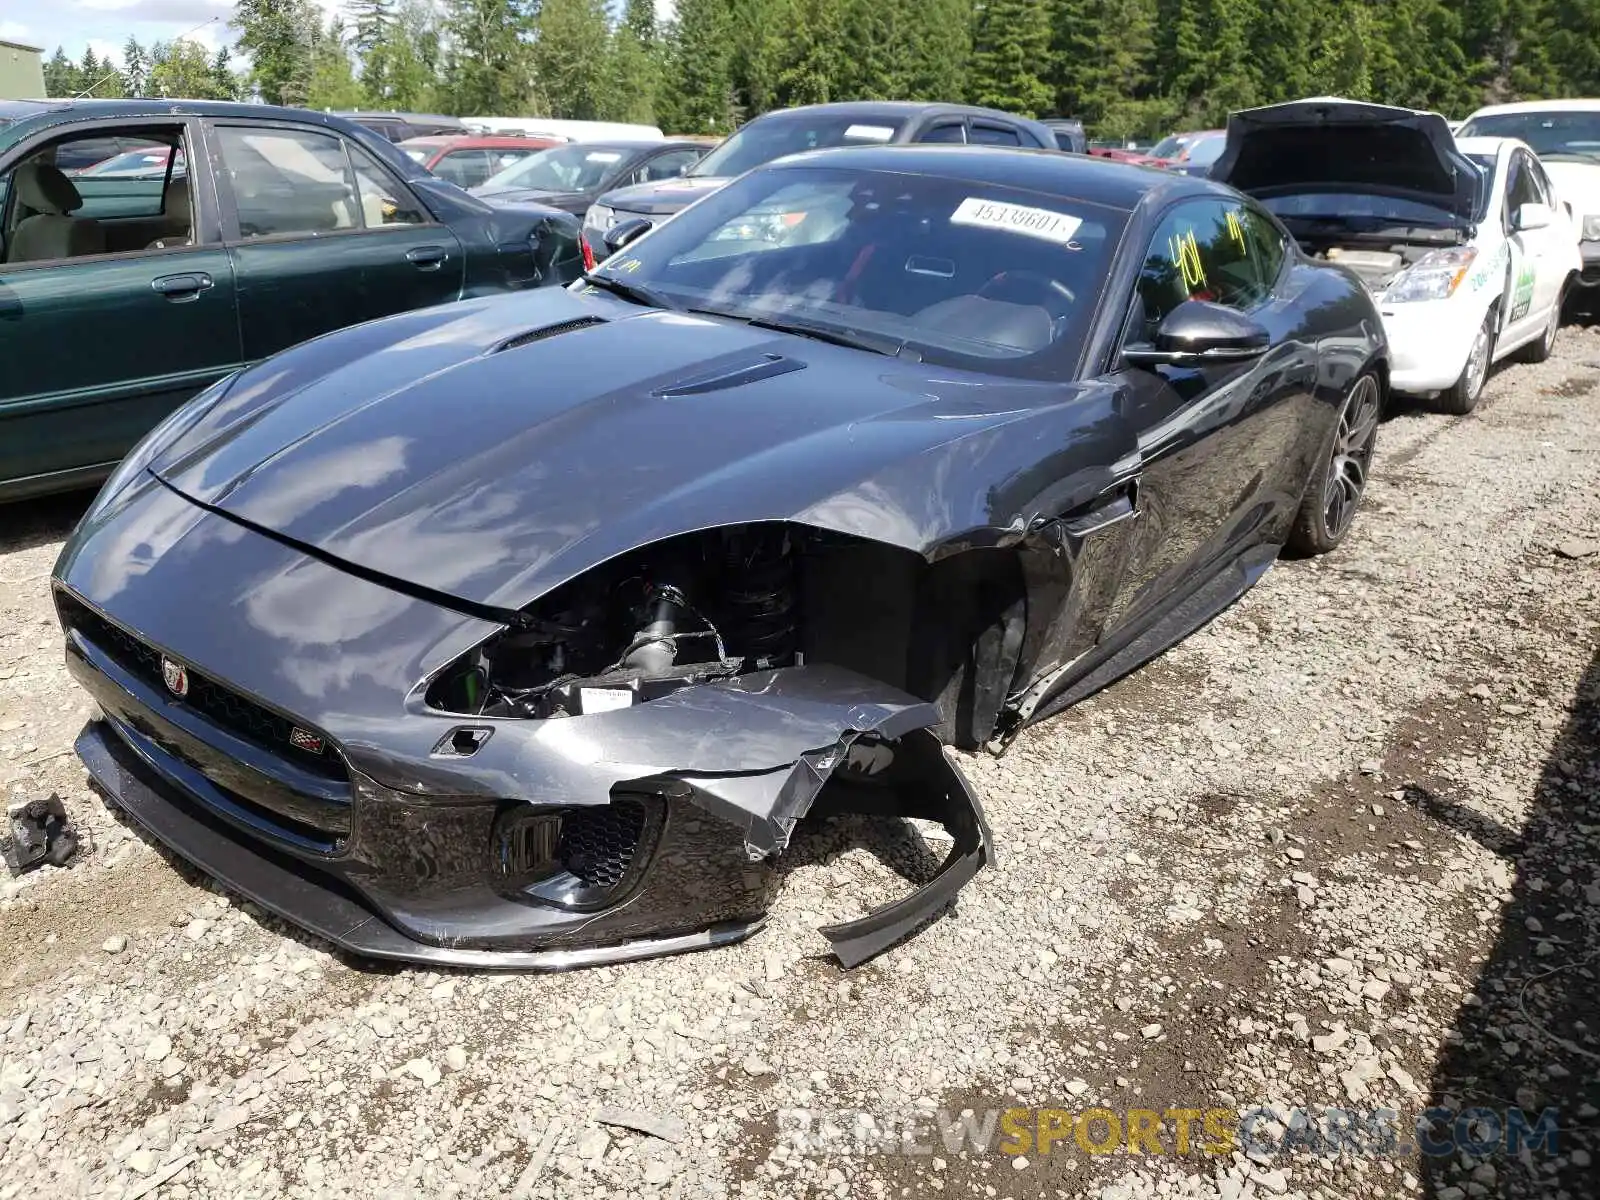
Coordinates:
[759,598]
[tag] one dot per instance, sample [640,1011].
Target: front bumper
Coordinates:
[386,873]
[1589,277]
[1429,341]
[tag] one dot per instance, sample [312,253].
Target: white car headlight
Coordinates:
[599,217]
[1434,276]
[1591,228]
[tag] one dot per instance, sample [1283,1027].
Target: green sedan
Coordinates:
[149,248]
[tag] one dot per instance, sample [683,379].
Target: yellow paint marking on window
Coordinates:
[1185,251]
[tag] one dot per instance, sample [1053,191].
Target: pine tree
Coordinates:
[135,68]
[571,67]
[333,76]
[697,91]
[181,69]
[639,18]
[224,83]
[942,58]
[278,35]
[486,68]
[811,53]
[60,76]
[1010,55]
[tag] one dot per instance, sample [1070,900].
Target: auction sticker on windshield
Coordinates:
[1017,218]
[871,133]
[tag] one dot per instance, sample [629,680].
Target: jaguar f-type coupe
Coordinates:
[522,632]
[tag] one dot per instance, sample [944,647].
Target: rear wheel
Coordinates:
[1461,397]
[1540,349]
[1334,493]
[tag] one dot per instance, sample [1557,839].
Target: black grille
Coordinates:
[598,844]
[219,704]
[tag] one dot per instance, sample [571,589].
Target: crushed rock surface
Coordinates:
[1339,848]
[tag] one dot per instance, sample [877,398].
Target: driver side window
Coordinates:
[1212,250]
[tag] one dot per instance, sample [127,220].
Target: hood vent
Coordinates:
[767,366]
[549,331]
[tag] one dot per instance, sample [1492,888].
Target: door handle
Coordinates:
[427,258]
[181,287]
[1118,505]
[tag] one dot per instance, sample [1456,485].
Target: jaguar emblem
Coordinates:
[176,676]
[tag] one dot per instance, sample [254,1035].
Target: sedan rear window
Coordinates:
[956,271]
[772,137]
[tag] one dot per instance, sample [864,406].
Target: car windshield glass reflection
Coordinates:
[1572,135]
[966,273]
[759,142]
[560,169]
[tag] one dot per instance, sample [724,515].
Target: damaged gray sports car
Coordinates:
[523,632]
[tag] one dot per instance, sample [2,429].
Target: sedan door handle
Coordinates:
[427,258]
[181,287]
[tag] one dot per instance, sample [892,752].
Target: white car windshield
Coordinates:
[1552,133]
[956,271]
[575,168]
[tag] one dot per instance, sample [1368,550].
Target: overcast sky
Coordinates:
[106,24]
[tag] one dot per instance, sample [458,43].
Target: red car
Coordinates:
[468,161]
[1137,157]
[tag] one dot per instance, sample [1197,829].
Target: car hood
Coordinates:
[1334,145]
[566,201]
[1577,184]
[663,198]
[489,451]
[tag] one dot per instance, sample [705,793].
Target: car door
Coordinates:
[1220,447]
[322,235]
[1556,242]
[102,339]
[668,164]
[1529,250]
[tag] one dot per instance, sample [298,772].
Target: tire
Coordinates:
[1328,508]
[1461,397]
[1541,349]
[966,634]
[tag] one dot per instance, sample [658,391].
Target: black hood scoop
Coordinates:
[768,366]
[528,337]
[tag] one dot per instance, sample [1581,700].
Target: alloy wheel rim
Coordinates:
[1478,361]
[1352,456]
[1553,330]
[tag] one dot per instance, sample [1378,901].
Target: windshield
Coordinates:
[1205,151]
[767,138]
[1551,133]
[150,163]
[575,168]
[957,272]
[1168,146]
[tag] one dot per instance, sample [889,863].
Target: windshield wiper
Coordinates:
[635,292]
[889,347]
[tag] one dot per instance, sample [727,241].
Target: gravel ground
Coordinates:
[1339,848]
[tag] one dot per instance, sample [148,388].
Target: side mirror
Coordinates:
[624,232]
[1533,216]
[1199,332]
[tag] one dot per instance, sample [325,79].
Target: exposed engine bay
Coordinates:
[1377,257]
[688,611]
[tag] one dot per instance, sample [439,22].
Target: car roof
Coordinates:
[15,110]
[1486,145]
[885,109]
[1102,181]
[1535,106]
[478,141]
[384,115]
[87,109]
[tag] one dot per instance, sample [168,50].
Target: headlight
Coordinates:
[157,440]
[1434,276]
[1591,228]
[599,217]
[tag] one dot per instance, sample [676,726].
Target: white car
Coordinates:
[1465,246]
[1565,134]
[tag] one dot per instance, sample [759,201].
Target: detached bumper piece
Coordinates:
[39,832]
